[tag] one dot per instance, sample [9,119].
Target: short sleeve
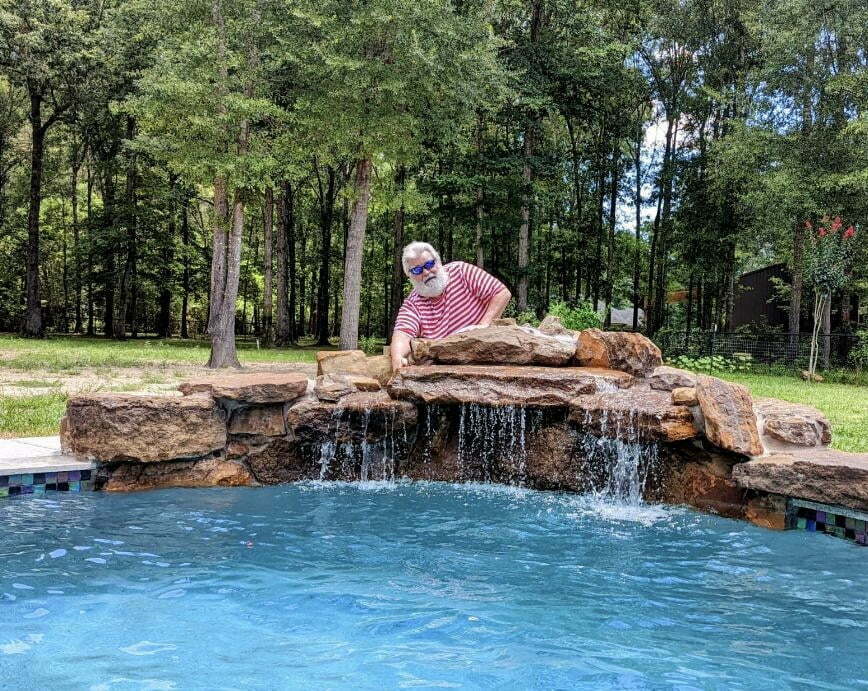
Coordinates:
[482,284]
[408,320]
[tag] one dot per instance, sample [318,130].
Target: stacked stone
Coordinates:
[720,450]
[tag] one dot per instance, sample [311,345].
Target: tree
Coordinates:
[46,50]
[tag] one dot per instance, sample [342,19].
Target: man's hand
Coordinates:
[399,350]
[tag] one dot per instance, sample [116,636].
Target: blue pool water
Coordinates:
[417,585]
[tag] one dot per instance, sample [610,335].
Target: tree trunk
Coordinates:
[32,324]
[282,335]
[397,268]
[354,255]
[610,254]
[268,287]
[290,199]
[524,229]
[637,163]
[128,277]
[480,254]
[327,197]
[225,292]
[164,315]
[185,278]
[76,240]
[578,188]
[108,251]
[796,268]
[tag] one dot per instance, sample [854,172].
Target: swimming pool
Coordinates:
[417,585]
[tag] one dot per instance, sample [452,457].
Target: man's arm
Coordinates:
[399,349]
[498,303]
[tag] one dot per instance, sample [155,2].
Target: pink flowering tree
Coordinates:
[828,259]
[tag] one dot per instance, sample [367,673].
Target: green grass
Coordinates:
[845,405]
[31,416]
[69,354]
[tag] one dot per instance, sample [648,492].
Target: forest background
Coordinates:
[230,167]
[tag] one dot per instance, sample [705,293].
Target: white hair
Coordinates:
[415,249]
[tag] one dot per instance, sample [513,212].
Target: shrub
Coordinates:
[739,362]
[576,318]
[859,354]
[371,345]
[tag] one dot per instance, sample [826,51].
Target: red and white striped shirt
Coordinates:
[462,303]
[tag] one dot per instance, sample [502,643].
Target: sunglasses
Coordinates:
[427,266]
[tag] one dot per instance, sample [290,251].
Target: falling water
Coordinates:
[374,460]
[488,434]
[618,460]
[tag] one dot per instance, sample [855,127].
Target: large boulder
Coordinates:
[620,350]
[266,420]
[253,387]
[699,478]
[280,461]
[727,409]
[820,474]
[124,427]
[792,423]
[207,472]
[635,414]
[666,378]
[341,362]
[355,417]
[502,385]
[380,368]
[496,345]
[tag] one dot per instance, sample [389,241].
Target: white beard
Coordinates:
[435,285]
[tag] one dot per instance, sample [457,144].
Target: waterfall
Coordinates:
[360,457]
[492,440]
[618,461]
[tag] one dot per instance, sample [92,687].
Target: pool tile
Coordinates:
[4,480]
[63,477]
[74,475]
[4,491]
[74,486]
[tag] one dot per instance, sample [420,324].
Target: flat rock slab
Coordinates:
[256,387]
[822,475]
[792,423]
[123,427]
[636,414]
[496,345]
[503,384]
[730,422]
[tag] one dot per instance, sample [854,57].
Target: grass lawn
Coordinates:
[36,371]
[65,353]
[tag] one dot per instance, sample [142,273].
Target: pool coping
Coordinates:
[28,455]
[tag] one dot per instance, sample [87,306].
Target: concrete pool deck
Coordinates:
[28,455]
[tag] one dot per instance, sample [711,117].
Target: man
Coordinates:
[444,300]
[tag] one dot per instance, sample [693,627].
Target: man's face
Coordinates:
[429,282]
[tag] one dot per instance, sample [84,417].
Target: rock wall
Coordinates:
[638,431]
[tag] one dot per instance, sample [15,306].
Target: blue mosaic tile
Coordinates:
[40,483]
[831,520]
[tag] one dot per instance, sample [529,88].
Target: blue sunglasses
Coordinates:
[427,266]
